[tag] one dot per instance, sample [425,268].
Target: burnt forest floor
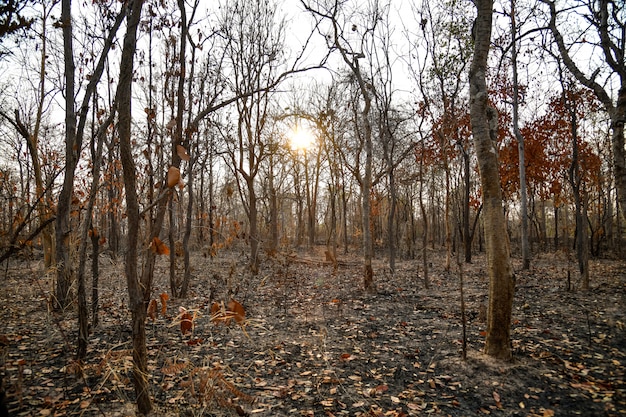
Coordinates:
[315,344]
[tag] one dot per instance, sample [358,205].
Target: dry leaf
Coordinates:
[173,177]
[152,310]
[173,368]
[159,247]
[186,323]
[496,396]
[164,297]
[237,311]
[182,152]
[194,342]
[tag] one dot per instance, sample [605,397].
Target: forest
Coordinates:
[312,207]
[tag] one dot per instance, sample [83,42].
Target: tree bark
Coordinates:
[484,131]
[62,231]
[138,292]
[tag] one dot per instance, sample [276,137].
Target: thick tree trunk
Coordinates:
[484,130]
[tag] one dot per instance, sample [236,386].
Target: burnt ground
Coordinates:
[314,344]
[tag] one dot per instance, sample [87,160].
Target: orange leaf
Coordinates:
[216,312]
[186,323]
[239,313]
[173,176]
[194,342]
[164,297]
[159,247]
[182,152]
[152,310]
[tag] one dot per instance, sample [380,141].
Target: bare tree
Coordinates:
[351,56]
[254,51]
[606,34]
[75,121]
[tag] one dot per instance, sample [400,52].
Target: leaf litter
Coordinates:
[305,340]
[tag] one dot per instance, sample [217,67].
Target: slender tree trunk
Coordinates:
[87,226]
[273,246]
[138,291]
[467,233]
[448,231]
[484,122]
[95,274]
[254,227]
[520,146]
[582,240]
[618,118]
[424,221]
[72,149]
[390,220]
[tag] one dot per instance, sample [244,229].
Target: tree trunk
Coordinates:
[273,203]
[484,131]
[467,233]
[72,148]
[390,219]
[95,274]
[88,227]
[582,241]
[254,227]
[138,292]
[520,146]
[618,118]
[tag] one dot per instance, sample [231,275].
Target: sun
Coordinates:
[301,138]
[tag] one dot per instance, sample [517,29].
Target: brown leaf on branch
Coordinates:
[182,153]
[173,177]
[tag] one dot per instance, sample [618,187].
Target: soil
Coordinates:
[313,343]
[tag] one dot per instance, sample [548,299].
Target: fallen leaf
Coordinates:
[152,310]
[496,396]
[164,297]
[194,342]
[237,311]
[186,323]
